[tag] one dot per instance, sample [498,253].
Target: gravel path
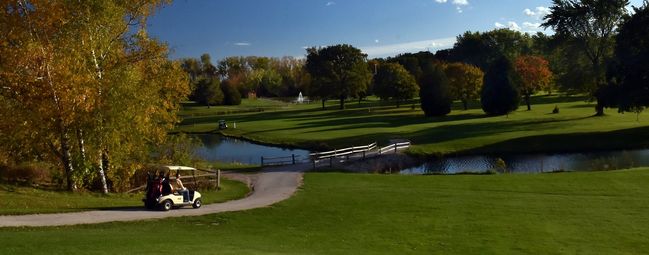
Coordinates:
[268,187]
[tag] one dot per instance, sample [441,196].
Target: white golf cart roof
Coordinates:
[180,168]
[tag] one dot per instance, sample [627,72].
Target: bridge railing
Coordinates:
[350,153]
[394,147]
[343,152]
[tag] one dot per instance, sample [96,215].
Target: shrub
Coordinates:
[27,173]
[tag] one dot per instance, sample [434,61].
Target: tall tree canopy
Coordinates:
[592,24]
[465,82]
[339,71]
[482,49]
[533,73]
[88,84]
[631,70]
[392,81]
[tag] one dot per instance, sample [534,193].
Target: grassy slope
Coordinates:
[20,200]
[567,213]
[470,131]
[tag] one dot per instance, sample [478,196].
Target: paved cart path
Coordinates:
[268,187]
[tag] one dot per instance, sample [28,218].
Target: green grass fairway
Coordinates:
[21,200]
[566,213]
[462,132]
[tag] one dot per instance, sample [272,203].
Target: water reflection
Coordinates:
[226,149]
[536,163]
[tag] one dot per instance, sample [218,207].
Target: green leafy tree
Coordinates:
[499,93]
[465,82]
[339,71]
[392,81]
[435,93]
[631,62]
[482,49]
[592,24]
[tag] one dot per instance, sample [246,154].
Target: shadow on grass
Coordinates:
[632,138]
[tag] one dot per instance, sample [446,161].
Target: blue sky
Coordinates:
[380,28]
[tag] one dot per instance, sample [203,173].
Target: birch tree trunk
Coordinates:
[103,166]
[66,158]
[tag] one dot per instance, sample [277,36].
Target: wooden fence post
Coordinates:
[395,148]
[218,179]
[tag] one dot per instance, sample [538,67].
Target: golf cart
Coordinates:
[223,124]
[159,193]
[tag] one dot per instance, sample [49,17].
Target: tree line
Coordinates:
[236,77]
[596,45]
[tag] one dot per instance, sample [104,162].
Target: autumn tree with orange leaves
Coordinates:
[533,73]
[83,85]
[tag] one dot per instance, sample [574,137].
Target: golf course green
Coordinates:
[335,213]
[573,129]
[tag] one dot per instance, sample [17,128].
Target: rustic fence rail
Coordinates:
[279,161]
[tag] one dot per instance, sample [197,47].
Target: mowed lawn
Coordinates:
[461,132]
[562,213]
[23,200]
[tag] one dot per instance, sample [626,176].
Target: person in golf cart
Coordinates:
[180,188]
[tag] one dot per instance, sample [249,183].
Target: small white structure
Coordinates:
[300,98]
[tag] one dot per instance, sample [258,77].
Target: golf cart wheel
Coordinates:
[197,203]
[166,205]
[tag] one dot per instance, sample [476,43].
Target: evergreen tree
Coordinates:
[435,95]
[499,93]
[208,92]
[632,60]
[231,95]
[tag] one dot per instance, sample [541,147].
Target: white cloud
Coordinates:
[242,44]
[458,4]
[529,12]
[330,3]
[394,49]
[538,12]
[461,2]
[531,26]
[542,11]
[377,41]
[511,25]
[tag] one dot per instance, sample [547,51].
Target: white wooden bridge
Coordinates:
[338,156]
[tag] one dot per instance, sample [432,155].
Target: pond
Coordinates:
[535,163]
[225,149]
